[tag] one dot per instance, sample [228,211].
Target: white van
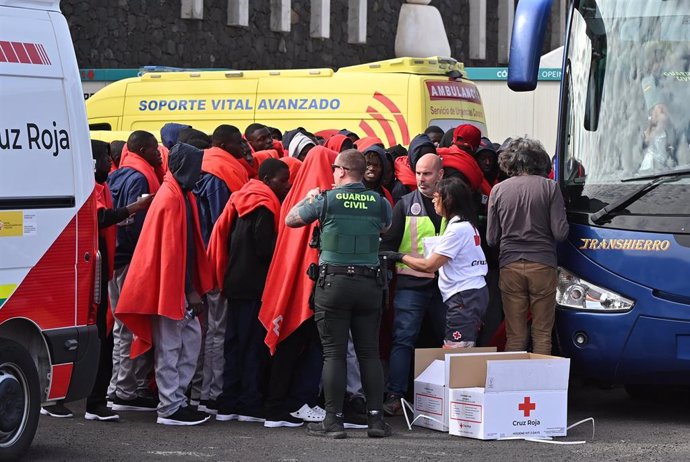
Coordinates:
[49,343]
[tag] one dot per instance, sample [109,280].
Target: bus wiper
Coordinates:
[657,179]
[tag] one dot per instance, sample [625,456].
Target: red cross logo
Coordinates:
[527,406]
[457,335]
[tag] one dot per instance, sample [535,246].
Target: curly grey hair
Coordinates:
[524,156]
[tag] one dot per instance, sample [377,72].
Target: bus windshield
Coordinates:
[627,107]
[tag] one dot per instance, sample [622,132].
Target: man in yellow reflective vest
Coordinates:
[416,292]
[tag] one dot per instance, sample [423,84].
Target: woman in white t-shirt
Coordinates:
[458,257]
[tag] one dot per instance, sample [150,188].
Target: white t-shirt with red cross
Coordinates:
[466,266]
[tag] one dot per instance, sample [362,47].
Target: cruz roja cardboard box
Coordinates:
[432,375]
[508,395]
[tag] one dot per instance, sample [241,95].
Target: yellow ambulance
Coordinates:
[394,99]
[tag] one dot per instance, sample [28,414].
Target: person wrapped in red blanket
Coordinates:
[161,296]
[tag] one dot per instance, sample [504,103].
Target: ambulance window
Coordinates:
[447,124]
[102,126]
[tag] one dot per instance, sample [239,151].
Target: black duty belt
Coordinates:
[351,270]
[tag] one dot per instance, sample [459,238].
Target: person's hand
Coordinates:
[195,303]
[141,204]
[391,255]
[313,193]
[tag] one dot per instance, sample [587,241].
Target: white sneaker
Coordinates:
[309,414]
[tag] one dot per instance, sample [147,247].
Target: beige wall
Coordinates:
[511,114]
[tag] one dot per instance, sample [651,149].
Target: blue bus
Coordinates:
[623,164]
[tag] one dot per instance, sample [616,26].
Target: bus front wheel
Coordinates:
[20,400]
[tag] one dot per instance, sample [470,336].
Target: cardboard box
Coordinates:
[508,395]
[432,373]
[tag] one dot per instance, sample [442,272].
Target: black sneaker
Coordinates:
[283,420]
[138,404]
[209,406]
[226,413]
[252,416]
[355,411]
[101,413]
[358,405]
[184,416]
[58,410]
[377,427]
[331,427]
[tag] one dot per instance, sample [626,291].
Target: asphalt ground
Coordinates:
[651,429]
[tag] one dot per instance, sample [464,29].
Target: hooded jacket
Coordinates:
[170,132]
[222,174]
[254,195]
[385,167]
[160,274]
[128,183]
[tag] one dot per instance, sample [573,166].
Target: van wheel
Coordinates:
[20,400]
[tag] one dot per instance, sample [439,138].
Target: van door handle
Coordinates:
[71,345]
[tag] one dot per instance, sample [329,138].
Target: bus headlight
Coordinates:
[575,292]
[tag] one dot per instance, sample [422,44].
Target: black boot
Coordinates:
[377,427]
[331,427]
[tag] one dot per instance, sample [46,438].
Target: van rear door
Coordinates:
[38,198]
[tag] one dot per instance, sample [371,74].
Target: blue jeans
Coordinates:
[410,307]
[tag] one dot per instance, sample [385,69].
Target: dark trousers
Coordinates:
[295,371]
[347,304]
[105,360]
[464,315]
[246,357]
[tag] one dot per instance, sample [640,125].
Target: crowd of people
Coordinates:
[285,278]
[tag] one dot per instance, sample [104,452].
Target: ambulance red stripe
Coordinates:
[21,53]
[33,53]
[9,52]
[390,137]
[391,106]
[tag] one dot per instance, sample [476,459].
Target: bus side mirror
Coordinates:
[529,27]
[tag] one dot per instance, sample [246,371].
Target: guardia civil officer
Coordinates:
[349,287]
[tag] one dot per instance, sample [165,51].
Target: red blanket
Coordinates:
[404,173]
[104,201]
[278,146]
[335,142]
[222,164]
[294,165]
[460,160]
[286,295]
[261,156]
[389,197]
[252,170]
[363,143]
[253,195]
[136,162]
[155,283]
